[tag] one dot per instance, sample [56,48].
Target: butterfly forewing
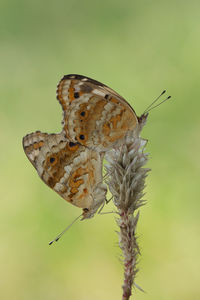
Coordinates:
[94,115]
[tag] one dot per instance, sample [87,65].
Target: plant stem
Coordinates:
[126,183]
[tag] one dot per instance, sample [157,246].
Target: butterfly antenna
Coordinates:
[159,103]
[152,106]
[59,235]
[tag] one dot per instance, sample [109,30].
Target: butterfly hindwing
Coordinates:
[70,169]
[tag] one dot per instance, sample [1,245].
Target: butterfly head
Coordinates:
[142,119]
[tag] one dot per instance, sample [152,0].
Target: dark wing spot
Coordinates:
[52,159]
[106,96]
[71,144]
[76,95]
[82,113]
[82,137]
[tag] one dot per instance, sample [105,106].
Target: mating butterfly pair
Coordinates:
[95,119]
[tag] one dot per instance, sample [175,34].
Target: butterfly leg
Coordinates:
[101,208]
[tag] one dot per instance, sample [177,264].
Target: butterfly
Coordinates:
[95,119]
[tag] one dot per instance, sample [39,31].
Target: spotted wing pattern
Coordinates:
[94,115]
[70,169]
[95,119]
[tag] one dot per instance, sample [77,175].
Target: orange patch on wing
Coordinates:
[38,145]
[106,129]
[114,100]
[85,192]
[71,91]
[74,190]
[114,121]
[74,182]
[63,103]
[41,144]
[73,148]
[117,133]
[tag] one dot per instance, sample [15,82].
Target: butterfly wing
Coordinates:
[68,87]
[70,169]
[94,115]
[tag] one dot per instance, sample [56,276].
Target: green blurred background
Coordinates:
[138,48]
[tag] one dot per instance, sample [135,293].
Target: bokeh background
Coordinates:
[138,48]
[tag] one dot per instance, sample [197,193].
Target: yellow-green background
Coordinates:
[138,48]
